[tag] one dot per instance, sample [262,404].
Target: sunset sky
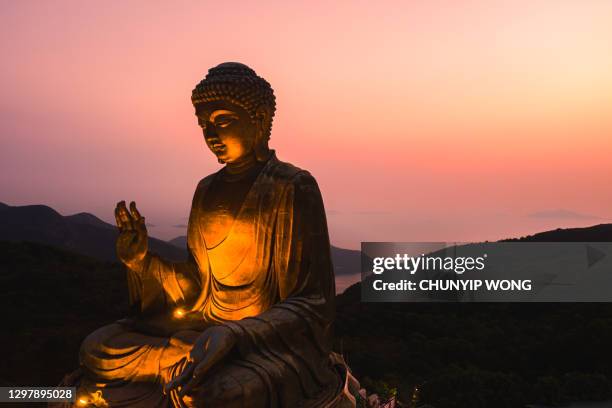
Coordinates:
[421,121]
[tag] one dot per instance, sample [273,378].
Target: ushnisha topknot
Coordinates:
[238,84]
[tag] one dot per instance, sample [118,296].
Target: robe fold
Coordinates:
[270,281]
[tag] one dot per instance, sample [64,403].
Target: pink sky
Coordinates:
[422,121]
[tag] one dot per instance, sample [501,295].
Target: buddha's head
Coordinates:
[235,108]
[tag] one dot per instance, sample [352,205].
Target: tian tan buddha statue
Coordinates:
[246,321]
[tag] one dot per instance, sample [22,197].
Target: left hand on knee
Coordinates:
[212,345]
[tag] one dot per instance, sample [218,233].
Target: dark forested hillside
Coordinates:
[483,355]
[480,355]
[50,299]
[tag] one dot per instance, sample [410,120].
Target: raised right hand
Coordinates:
[133,241]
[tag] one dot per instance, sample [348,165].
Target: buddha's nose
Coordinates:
[210,133]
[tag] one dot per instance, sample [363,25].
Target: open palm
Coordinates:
[133,241]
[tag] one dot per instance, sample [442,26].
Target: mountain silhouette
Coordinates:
[346,261]
[179,242]
[82,233]
[595,233]
[86,234]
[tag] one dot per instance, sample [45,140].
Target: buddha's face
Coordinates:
[228,130]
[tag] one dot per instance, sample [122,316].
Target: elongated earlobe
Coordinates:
[262,119]
[262,151]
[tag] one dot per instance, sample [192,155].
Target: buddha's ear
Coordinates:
[263,122]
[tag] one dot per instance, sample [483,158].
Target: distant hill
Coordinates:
[346,261]
[82,233]
[86,234]
[179,242]
[596,233]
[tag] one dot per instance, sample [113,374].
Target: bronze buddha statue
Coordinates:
[246,321]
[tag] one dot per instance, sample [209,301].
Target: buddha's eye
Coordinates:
[224,121]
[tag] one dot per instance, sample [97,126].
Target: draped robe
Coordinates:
[270,281]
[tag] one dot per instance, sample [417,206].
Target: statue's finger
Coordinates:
[118,219]
[178,381]
[195,381]
[135,213]
[206,364]
[199,372]
[172,384]
[138,221]
[183,378]
[125,216]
